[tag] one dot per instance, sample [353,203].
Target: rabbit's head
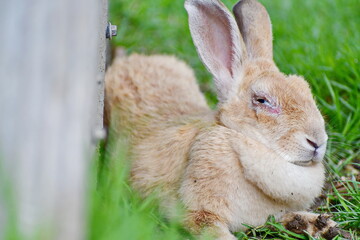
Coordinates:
[254,97]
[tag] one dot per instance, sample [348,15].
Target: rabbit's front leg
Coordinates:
[315,224]
[277,177]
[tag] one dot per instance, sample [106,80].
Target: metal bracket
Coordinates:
[111,30]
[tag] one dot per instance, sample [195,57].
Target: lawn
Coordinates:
[316,39]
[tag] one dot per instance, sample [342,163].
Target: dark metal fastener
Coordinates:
[111,30]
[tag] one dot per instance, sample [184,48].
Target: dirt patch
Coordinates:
[331,233]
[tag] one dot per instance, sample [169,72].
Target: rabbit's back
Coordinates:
[143,89]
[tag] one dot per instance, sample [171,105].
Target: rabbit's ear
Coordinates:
[255,27]
[218,42]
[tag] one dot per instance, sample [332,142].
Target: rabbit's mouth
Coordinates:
[305,163]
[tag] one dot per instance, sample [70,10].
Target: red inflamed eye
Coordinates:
[266,104]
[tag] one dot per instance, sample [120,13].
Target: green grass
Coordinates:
[316,39]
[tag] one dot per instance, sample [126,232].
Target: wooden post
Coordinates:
[102,54]
[49,83]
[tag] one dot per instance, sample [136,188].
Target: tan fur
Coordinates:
[143,93]
[200,219]
[238,164]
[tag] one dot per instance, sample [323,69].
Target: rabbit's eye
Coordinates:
[261,100]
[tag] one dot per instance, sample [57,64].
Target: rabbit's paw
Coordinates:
[314,224]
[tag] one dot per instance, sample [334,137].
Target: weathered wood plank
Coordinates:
[48,101]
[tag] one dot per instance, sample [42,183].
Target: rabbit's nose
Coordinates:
[312,143]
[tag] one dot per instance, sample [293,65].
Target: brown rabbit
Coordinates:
[258,154]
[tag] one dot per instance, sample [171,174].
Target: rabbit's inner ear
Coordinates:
[217,33]
[255,27]
[218,42]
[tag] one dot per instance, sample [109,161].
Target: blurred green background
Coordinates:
[317,39]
